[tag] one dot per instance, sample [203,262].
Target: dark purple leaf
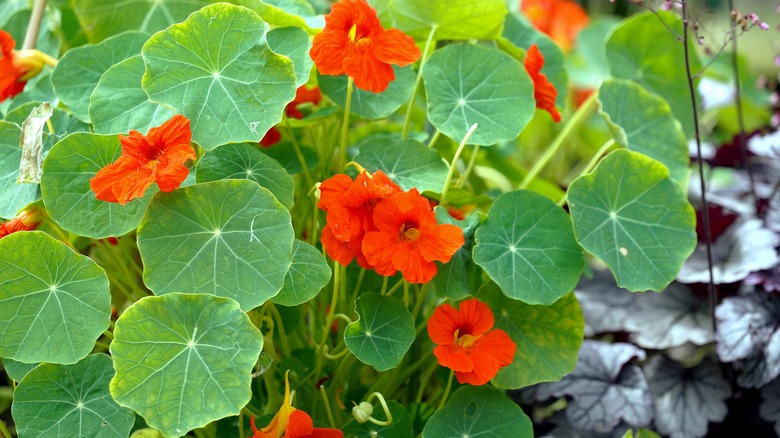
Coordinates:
[670,318]
[604,390]
[770,408]
[564,429]
[744,248]
[687,399]
[604,305]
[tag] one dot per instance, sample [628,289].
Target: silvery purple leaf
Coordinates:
[761,367]
[670,318]
[745,325]
[770,408]
[687,399]
[773,213]
[605,306]
[767,146]
[604,391]
[769,279]
[744,248]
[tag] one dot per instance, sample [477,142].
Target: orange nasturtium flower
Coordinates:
[408,238]
[25,221]
[561,20]
[157,157]
[354,43]
[466,344]
[18,66]
[544,91]
[292,423]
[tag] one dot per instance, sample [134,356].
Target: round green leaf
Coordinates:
[527,247]
[294,43]
[408,163]
[469,84]
[401,425]
[307,275]
[13,196]
[68,197]
[184,360]
[100,20]
[216,69]
[79,70]
[479,411]
[383,333]
[646,125]
[632,215]
[655,60]
[367,104]
[245,161]
[454,19]
[119,104]
[229,238]
[70,400]
[548,338]
[17,370]
[54,303]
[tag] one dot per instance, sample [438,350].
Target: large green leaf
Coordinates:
[294,43]
[119,104]
[459,277]
[13,196]
[17,370]
[54,303]
[307,275]
[79,70]
[229,238]
[184,360]
[101,20]
[469,84]
[454,19]
[245,161]
[655,60]
[408,163]
[632,215]
[643,122]
[384,332]
[368,104]
[70,400]
[479,411]
[217,70]
[527,247]
[400,427]
[68,197]
[548,338]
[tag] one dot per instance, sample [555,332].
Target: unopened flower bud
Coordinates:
[362,412]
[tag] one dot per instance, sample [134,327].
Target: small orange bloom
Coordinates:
[25,221]
[271,137]
[11,82]
[561,20]
[354,43]
[544,91]
[302,95]
[157,157]
[292,423]
[467,345]
[408,238]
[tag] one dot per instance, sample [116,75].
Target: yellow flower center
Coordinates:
[353,33]
[465,341]
[409,232]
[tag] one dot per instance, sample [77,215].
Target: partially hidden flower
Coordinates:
[292,423]
[157,157]
[409,239]
[18,66]
[303,95]
[561,20]
[544,91]
[354,43]
[27,220]
[466,344]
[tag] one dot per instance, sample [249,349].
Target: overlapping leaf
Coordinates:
[368,104]
[409,163]
[384,332]
[307,275]
[453,20]
[294,43]
[459,277]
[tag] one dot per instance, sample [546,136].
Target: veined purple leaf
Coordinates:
[769,279]
[770,408]
[763,366]
[670,318]
[604,390]
[687,399]
[604,305]
[773,213]
[744,248]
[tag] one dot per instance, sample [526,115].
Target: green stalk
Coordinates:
[469,168]
[454,162]
[589,167]
[345,126]
[446,391]
[298,152]
[427,48]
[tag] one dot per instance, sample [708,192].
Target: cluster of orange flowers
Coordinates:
[384,228]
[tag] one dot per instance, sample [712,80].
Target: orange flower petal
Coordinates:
[303,95]
[544,91]
[415,268]
[376,248]
[299,425]
[175,131]
[453,358]
[324,46]
[271,137]
[10,74]
[485,368]
[498,344]
[474,317]
[332,190]
[441,242]
[442,325]
[392,46]
[368,71]
[121,181]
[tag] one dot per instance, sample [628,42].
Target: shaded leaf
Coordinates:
[307,275]
[368,104]
[401,425]
[770,407]
[409,163]
[384,332]
[17,370]
[459,277]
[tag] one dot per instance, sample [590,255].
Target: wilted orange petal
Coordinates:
[544,91]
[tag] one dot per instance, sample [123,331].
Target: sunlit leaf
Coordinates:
[384,332]
[70,400]
[307,275]
[216,69]
[408,163]
[294,43]
[184,360]
[454,19]
[54,303]
[229,238]
[527,247]
[630,214]
[469,84]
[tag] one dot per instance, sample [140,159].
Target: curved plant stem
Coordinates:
[454,162]
[6,433]
[241,424]
[705,211]
[433,140]
[409,107]
[298,151]
[469,167]
[345,125]
[590,166]
[326,402]
[577,119]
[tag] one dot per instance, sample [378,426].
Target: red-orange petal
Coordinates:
[441,242]
[455,359]
[271,137]
[392,46]
[327,52]
[544,91]
[474,317]
[442,325]
[377,247]
[368,71]
[485,368]
[498,344]
[174,132]
[10,85]
[121,181]
[407,259]
[333,189]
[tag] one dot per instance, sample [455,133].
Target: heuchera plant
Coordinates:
[267,218]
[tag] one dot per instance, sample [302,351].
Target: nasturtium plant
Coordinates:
[408,163]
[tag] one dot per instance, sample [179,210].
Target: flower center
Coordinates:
[465,341]
[353,33]
[409,232]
